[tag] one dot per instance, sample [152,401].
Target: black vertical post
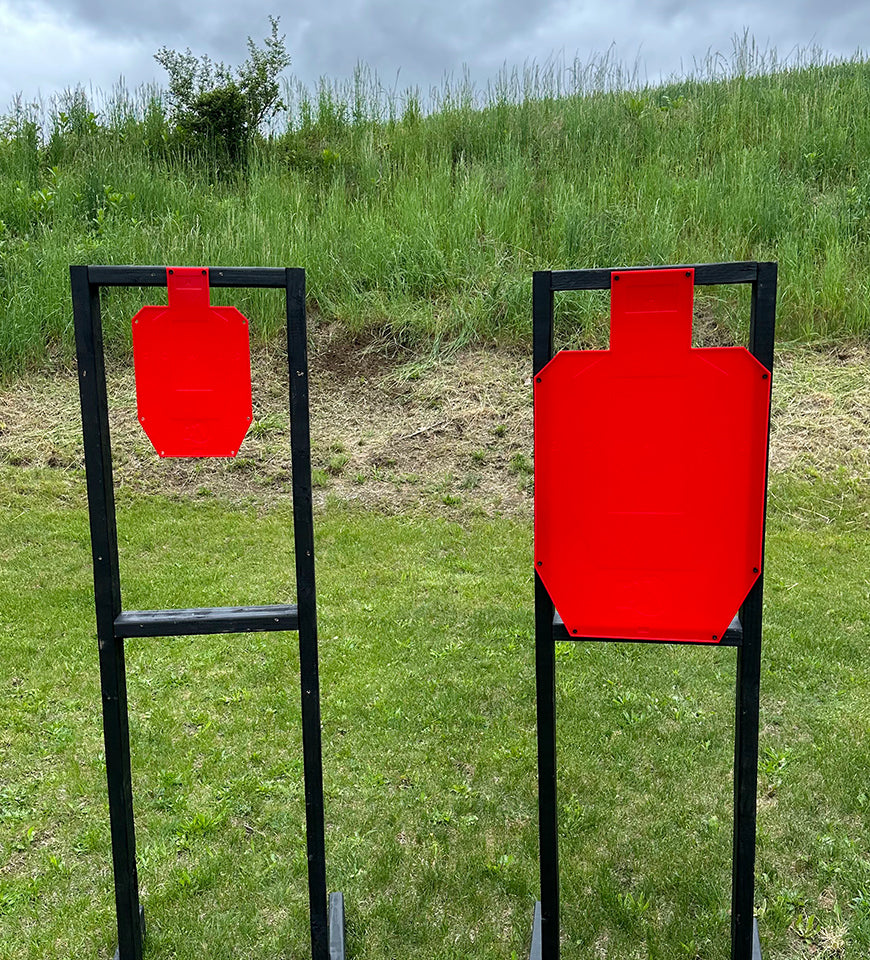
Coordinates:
[107,591]
[547,937]
[303,527]
[744,933]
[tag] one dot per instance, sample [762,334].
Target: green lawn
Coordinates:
[429,742]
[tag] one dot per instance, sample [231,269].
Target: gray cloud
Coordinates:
[51,44]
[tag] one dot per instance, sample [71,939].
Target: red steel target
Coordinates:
[193,371]
[650,467]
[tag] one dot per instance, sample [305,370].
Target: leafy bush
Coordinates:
[217,114]
[217,124]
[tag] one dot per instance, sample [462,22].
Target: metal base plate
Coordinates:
[336,926]
[535,951]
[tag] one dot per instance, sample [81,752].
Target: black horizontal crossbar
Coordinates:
[706,274]
[124,276]
[733,636]
[204,620]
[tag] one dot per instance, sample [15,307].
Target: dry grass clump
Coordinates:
[821,411]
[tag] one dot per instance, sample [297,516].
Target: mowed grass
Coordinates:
[420,224]
[427,674]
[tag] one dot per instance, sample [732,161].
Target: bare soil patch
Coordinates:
[452,436]
[821,411]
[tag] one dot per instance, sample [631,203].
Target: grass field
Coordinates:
[420,224]
[429,744]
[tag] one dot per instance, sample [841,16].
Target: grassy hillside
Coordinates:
[423,225]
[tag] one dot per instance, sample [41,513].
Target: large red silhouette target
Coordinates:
[650,468]
[193,371]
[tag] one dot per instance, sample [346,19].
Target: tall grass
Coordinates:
[419,218]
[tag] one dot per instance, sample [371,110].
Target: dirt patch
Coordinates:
[385,433]
[821,412]
[394,434]
[447,437]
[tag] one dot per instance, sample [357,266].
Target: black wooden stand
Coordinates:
[115,624]
[744,634]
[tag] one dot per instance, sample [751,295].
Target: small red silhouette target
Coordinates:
[193,371]
[650,465]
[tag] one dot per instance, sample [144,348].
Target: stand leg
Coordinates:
[745,944]
[545,669]
[107,596]
[117,742]
[545,932]
[303,531]
[746,780]
[141,928]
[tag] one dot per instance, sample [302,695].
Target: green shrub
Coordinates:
[216,115]
[216,125]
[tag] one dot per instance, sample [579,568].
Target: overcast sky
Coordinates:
[49,45]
